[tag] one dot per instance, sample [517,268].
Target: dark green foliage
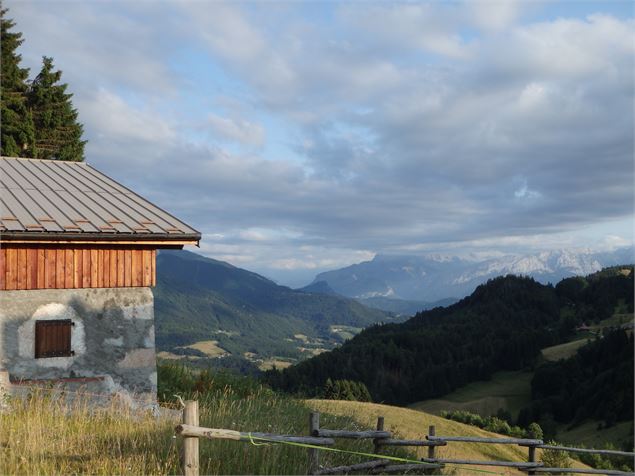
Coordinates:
[503,325]
[620,463]
[555,458]
[196,297]
[57,132]
[596,383]
[346,390]
[493,424]
[18,135]
[535,431]
[38,120]
[176,379]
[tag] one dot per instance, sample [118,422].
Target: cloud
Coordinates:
[431,27]
[494,15]
[110,116]
[299,137]
[238,130]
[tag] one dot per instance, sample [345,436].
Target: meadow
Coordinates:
[46,434]
[508,390]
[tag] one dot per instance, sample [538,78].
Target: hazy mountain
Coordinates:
[319,287]
[201,299]
[434,277]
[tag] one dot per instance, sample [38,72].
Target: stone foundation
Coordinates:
[112,337]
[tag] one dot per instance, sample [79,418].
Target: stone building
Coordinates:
[77,264]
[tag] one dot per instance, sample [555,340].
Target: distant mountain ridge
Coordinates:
[434,277]
[202,299]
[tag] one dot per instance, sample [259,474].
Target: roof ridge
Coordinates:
[43,160]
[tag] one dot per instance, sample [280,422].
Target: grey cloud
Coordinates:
[393,150]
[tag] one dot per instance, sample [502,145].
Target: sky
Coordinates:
[305,136]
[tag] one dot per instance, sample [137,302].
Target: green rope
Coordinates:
[358,453]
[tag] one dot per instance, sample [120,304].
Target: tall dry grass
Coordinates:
[44,434]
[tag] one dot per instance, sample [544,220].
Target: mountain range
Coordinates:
[432,278]
[235,312]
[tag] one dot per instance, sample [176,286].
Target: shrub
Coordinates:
[555,458]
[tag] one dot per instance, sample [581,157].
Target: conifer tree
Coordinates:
[18,134]
[58,135]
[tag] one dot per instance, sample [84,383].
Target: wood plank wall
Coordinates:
[48,267]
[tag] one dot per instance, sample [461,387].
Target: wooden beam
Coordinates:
[221,434]
[507,464]
[158,244]
[12,269]
[355,467]
[391,442]
[404,468]
[190,444]
[41,265]
[69,268]
[476,439]
[352,434]
[587,450]
[22,268]
[3,268]
[611,472]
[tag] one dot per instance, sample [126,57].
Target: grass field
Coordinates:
[208,347]
[42,435]
[268,364]
[413,424]
[590,436]
[563,351]
[508,390]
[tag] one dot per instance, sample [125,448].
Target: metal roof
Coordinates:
[51,199]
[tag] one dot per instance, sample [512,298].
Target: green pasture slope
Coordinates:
[508,390]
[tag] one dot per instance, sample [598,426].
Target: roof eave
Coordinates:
[154,239]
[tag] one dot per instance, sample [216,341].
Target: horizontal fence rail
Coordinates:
[322,439]
[355,467]
[392,442]
[221,434]
[570,449]
[497,441]
[610,472]
[357,435]
[478,462]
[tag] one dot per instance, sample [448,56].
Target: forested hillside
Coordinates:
[501,326]
[198,299]
[596,383]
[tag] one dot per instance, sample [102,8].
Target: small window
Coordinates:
[53,338]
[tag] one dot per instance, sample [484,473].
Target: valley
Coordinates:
[211,313]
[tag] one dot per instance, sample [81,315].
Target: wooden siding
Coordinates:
[49,267]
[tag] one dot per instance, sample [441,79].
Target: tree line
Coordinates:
[38,118]
[503,325]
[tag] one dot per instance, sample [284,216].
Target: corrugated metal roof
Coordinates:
[50,197]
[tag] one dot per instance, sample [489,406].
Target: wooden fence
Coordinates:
[322,437]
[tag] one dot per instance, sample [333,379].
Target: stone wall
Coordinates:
[112,337]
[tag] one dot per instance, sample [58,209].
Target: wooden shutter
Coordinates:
[53,338]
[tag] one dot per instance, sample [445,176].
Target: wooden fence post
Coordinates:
[189,458]
[380,427]
[531,458]
[314,455]
[431,449]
